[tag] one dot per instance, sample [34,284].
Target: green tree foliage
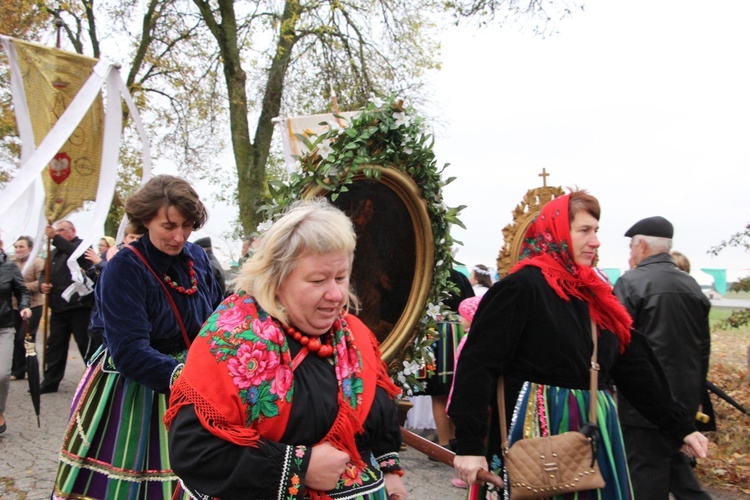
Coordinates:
[540,15]
[285,57]
[737,240]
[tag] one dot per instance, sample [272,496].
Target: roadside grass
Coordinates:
[728,464]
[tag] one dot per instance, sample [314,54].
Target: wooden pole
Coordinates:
[442,455]
[47,262]
[58,25]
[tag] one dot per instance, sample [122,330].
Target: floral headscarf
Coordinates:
[547,245]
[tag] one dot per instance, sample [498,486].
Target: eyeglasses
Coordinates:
[62,229]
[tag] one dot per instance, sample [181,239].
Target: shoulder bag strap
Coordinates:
[593,390]
[169,296]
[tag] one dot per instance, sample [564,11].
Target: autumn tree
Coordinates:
[190,65]
[285,57]
[21,17]
[166,68]
[738,240]
[741,317]
[300,50]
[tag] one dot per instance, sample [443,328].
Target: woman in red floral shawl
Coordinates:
[284,394]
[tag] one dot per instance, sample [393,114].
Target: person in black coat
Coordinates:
[68,316]
[11,284]
[205,244]
[670,310]
[439,384]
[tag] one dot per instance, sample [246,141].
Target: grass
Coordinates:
[728,464]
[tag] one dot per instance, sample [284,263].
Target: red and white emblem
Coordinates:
[59,167]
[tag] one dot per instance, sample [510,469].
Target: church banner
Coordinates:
[51,79]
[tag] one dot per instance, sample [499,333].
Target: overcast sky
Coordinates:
[645,104]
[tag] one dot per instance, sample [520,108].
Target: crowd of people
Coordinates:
[266,384]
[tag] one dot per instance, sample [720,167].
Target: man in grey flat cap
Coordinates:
[669,308]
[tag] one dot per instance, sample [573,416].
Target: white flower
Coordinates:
[264,226]
[335,127]
[410,368]
[401,378]
[433,311]
[297,165]
[324,148]
[401,119]
[376,101]
[439,263]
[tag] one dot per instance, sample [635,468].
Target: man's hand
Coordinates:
[696,445]
[45,287]
[25,313]
[50,232]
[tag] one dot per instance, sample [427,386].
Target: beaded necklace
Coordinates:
[321,349]
[181,289]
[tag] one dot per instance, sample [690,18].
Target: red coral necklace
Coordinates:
[321,349]
[181,289]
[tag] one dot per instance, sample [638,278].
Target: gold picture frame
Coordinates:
[395,255]
[523,215]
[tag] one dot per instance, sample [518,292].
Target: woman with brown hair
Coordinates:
[23,247]
[152,299]
[535,326]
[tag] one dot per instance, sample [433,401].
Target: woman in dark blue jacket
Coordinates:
[152,299]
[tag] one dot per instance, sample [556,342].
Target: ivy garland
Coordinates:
[391,135]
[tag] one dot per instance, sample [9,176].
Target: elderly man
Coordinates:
[668,307]
[67,316]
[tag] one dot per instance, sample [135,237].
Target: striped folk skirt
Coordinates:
[444,348]
[115,444]
[565,410]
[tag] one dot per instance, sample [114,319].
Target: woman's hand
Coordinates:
[696,445]
[25,313]
[467,466]
[394,487]
[327,464]
[91,255]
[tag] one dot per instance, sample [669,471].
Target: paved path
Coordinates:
[28,454]
[731,303]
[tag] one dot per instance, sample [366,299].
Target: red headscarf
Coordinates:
[547,245]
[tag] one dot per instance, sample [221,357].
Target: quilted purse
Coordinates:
[554,465]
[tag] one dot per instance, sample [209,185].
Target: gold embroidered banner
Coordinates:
[51,79]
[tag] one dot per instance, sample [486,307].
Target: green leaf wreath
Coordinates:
[391,135]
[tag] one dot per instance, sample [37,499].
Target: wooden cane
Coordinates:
[46,304]
[442,455]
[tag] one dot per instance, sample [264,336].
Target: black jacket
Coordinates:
[670,310]
[11,283]
[525,331]
[60,276]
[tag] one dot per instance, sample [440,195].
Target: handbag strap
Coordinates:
[169,296]
[593,390]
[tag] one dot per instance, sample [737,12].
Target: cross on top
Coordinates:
[544,176]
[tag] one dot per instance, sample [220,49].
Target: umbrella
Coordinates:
[442,455]
[726,397]
[32,368]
